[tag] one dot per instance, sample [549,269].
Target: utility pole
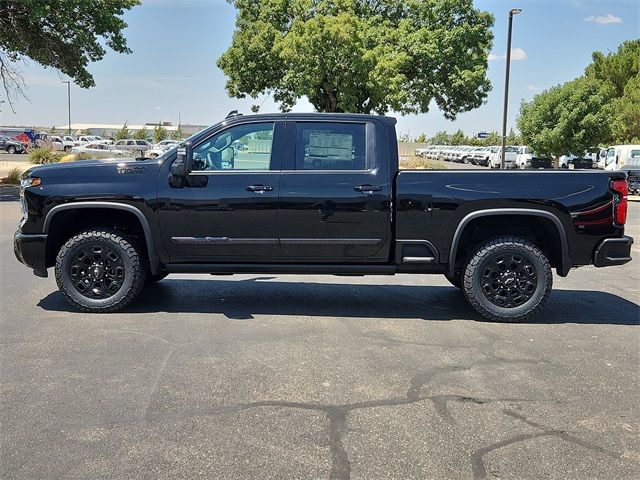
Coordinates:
[68,82]
[512,12]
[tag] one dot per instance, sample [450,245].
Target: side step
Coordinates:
[281,268]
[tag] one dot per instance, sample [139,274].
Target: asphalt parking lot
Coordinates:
[311,377]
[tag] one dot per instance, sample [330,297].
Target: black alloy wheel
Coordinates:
[97,271]
[508,280]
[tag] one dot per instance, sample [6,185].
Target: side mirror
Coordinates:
[183,164]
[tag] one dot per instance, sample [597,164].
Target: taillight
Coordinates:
[621,187]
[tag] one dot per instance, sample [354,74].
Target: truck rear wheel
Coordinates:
[508,279]
[99,270]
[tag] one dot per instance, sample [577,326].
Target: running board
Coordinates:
[281,268]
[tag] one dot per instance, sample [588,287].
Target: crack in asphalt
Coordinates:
[337,415]
[477,457]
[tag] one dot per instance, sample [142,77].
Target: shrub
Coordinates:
[415,163]
[13,177]
[41,156]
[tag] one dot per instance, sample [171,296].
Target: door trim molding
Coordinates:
[223,241]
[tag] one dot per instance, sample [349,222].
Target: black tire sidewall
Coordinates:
[11,149]
[66,283]
[543,274]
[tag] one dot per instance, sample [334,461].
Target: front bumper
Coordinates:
[31,249]
[613,251]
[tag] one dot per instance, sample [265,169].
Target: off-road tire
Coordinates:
[474,272]
[134,270]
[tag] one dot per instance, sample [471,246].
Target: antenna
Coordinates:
[233,113]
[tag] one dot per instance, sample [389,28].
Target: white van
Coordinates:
[523,157]
[620,155]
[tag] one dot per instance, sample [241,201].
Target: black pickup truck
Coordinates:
[314,194]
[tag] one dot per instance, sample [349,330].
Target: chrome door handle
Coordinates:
[259,188]
[367,188]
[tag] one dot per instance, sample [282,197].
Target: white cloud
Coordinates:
[603,19]
[516,54]
[533,88]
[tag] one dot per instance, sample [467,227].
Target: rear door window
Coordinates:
[330,146]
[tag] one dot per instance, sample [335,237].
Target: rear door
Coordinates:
[334,201]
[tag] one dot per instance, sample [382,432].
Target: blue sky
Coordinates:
[172,70]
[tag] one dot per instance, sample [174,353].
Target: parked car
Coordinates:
[100,148]
[11,146]
[495,159]
[633,177]
[156,150]
[73,140]
[166,143]
[482,155]
[58,143]
[620,155]
[139,147]
[110,227]
[576,162]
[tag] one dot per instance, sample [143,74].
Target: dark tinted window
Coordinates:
[330,146]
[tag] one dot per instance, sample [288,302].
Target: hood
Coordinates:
[104,166]
[97,176]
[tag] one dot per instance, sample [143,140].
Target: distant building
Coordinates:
[106,130]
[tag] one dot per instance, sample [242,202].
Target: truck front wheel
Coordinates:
[99,270]
[508,279]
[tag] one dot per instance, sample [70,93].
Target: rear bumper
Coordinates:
[30,249]
[613,251]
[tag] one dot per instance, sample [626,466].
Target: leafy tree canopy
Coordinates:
[140,134]
[617,68]
[123,133]
[64,34]
[177,134]
[600,108]
[361,55]
[440,138]
[568,118]
[159,133]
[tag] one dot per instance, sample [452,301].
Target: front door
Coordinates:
[227,212]
[334,198]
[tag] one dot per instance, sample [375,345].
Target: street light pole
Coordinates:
[512,12]
[68,82]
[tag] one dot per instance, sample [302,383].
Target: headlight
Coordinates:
[30,182]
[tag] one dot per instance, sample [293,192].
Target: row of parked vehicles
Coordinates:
[117,148]
[483,156]
[616,157]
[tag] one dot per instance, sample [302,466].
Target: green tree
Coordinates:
[422,138]
[140,134]
[440,138]
[159,133]
[177,134]
[62,34]
[513,138]
[458,138]
[616,69]
[493,138]
[626,120]
[361,55]
[567,118]
[123,133]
